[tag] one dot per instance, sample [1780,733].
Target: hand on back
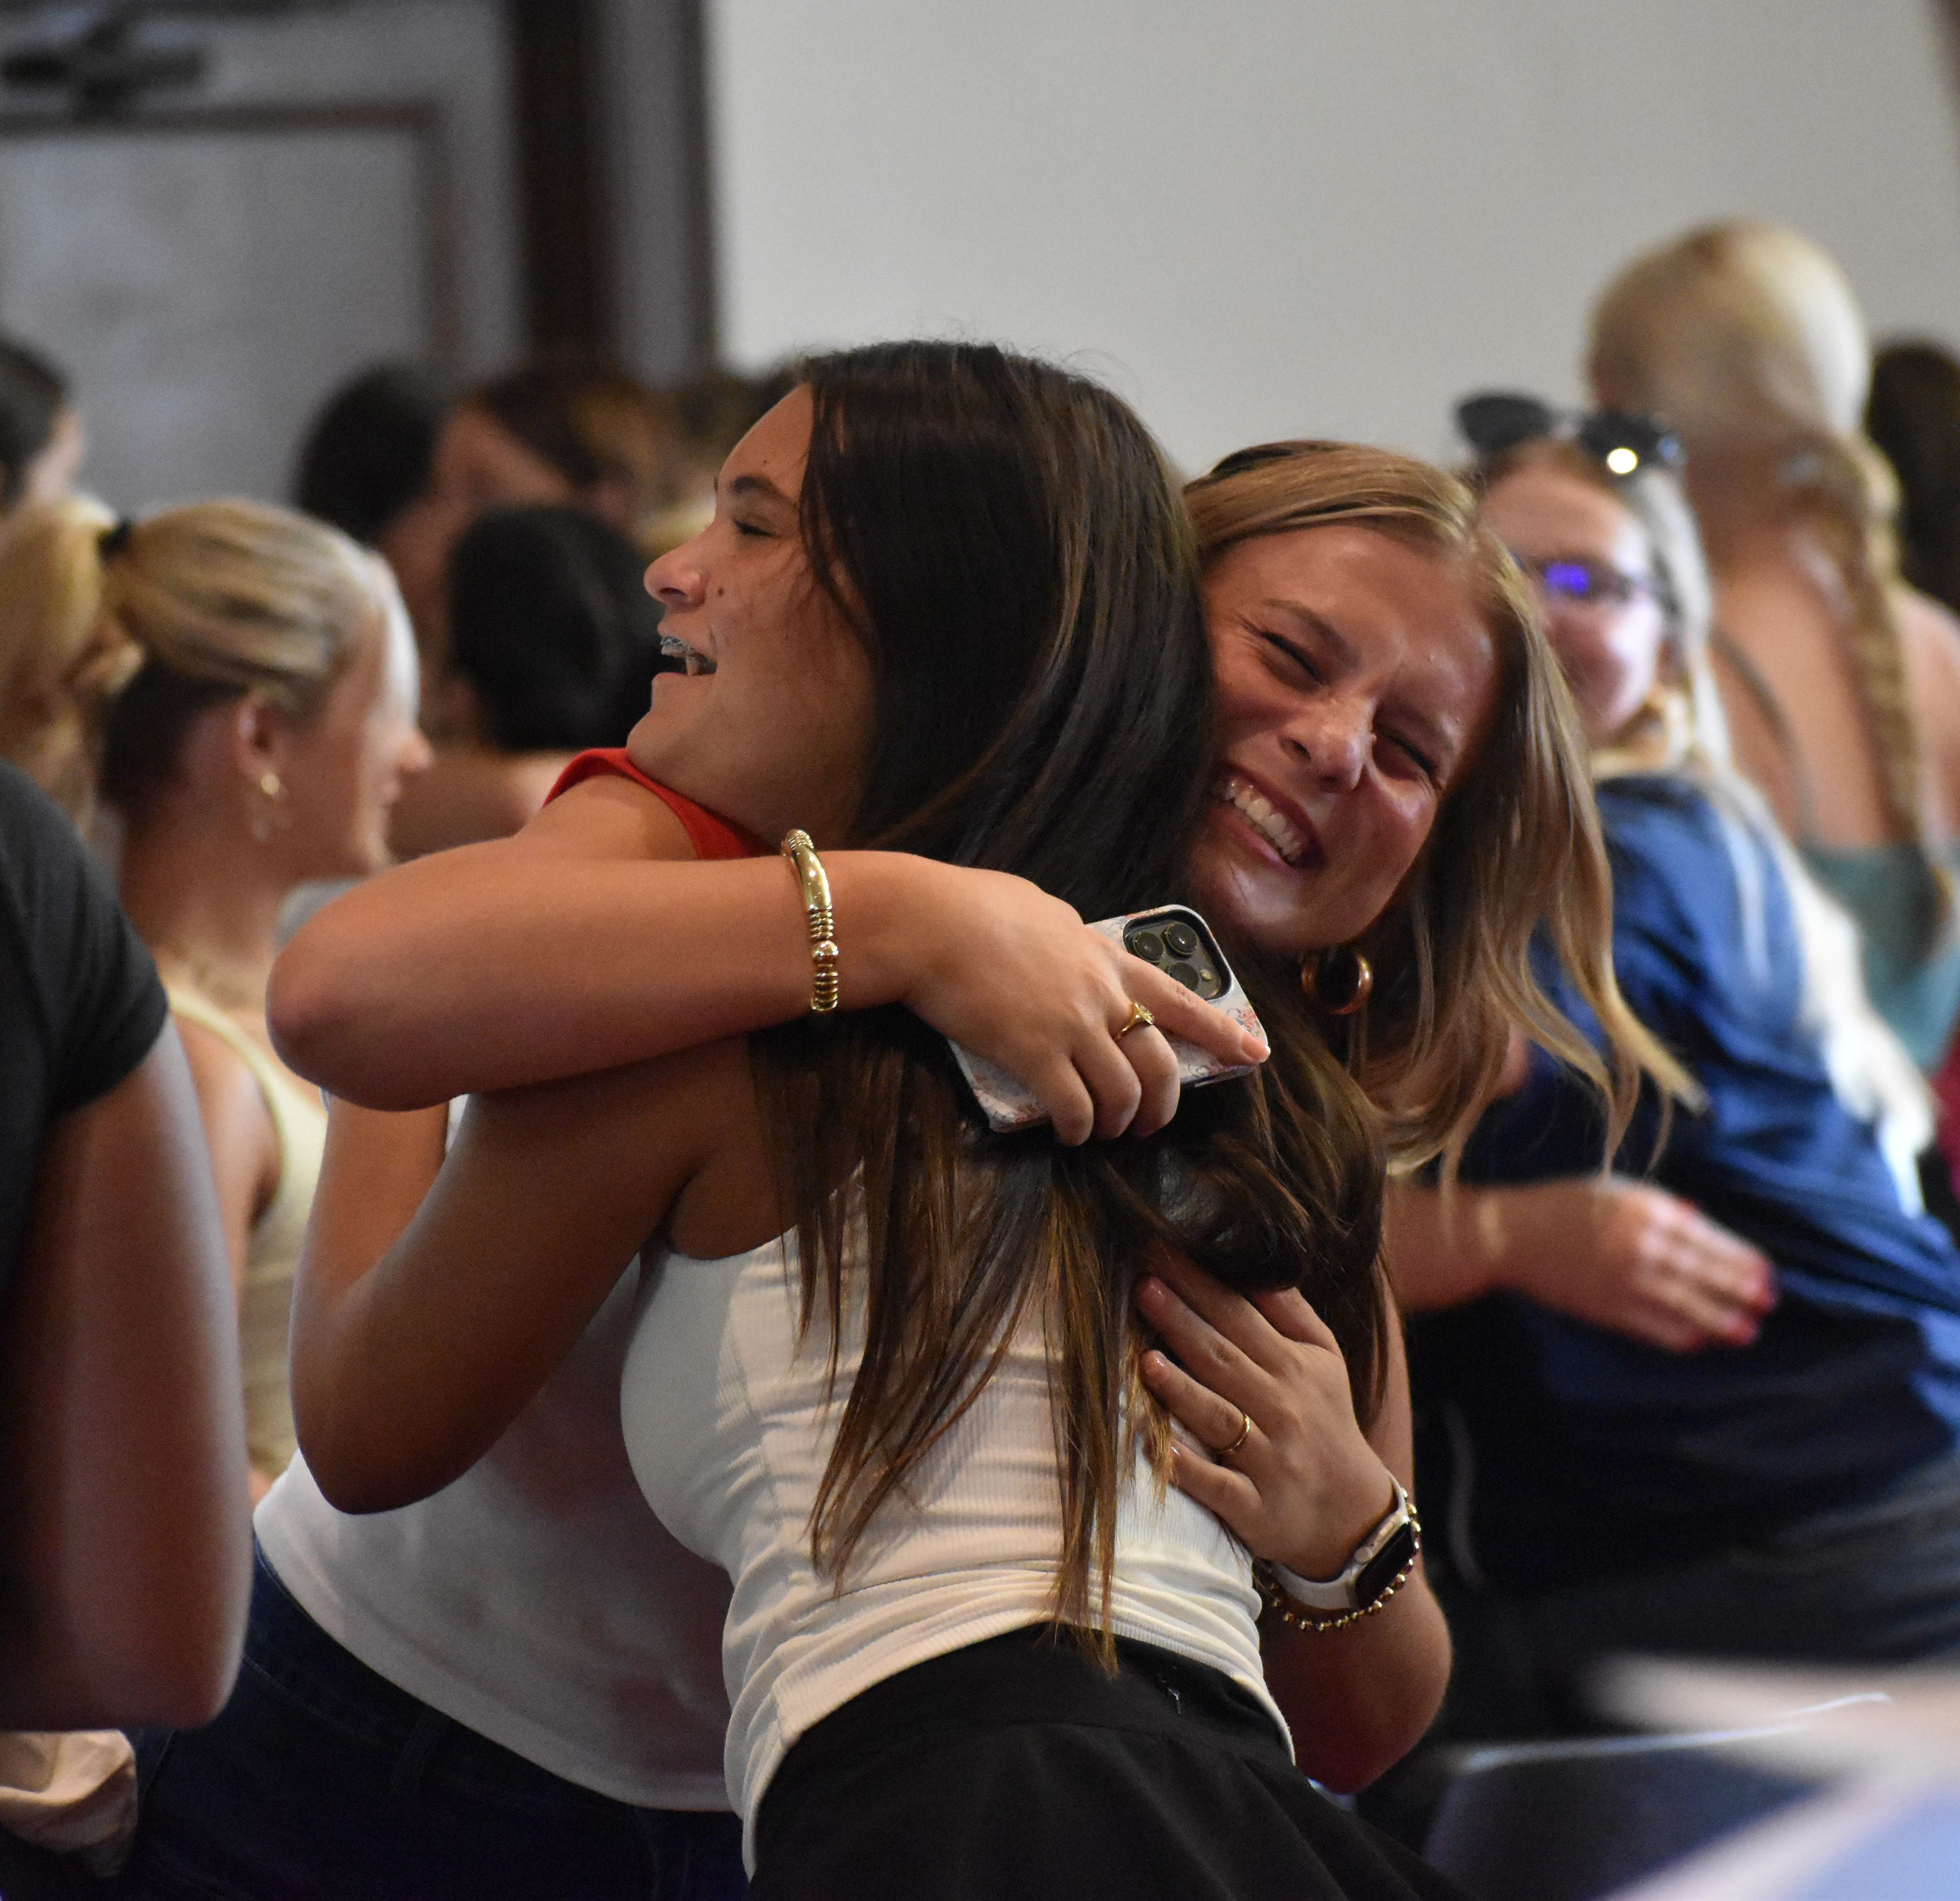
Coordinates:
[1262,1383]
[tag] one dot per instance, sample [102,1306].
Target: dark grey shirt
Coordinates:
[81,1005]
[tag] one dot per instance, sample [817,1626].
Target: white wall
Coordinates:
[1280,217]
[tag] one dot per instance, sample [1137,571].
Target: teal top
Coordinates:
[1912,965]
[1890,891]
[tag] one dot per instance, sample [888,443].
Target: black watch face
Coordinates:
[1385,1566]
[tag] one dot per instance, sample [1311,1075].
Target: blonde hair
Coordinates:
[1683,724]
[59,664]
[1747,338]
[1871,1074]
[1515,844]
[225,598]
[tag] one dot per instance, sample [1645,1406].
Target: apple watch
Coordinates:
[1382,1564]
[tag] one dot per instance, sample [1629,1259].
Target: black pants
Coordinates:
[1016,1768]
[323,1781]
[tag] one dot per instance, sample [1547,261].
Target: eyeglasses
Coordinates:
[1592,583]
[1622,443]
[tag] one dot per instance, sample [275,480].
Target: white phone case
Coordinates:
[1007,1106]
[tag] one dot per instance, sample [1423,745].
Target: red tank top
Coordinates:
[710,835]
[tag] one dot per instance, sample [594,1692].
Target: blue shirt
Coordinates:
[1580,1453]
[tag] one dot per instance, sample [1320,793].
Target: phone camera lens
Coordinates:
[1208,985]
[1185,975]
[1182,940]
[1148,946]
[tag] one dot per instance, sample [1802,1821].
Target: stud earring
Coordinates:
[267,816]
[1339,979]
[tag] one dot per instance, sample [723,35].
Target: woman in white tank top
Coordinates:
[1049,741]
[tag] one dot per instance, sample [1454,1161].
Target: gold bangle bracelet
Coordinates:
[815,885]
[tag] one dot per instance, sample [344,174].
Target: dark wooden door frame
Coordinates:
[693,239]
[1948,13]
[568,304]
[591,187]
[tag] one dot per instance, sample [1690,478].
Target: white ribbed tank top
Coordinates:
[727,1426]
[536,1600]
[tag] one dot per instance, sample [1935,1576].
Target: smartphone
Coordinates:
[1180,943]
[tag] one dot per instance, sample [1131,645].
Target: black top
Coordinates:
[80,1001]
[1579,1452]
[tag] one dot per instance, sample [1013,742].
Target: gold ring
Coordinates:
[1244,1433]
[1139,1019]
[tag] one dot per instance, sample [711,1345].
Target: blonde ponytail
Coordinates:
[62,658]
[225,598]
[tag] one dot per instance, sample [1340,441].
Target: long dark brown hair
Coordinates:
[1009,542]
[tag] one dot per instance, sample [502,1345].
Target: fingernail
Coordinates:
[1150,1291]
[1257,1048]
[1154,1366]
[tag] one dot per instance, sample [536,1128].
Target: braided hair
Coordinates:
[1748,338]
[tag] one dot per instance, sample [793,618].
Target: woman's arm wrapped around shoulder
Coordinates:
[593,938]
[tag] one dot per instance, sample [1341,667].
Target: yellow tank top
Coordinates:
[265,1309]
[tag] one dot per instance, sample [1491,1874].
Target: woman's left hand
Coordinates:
[1303,1487]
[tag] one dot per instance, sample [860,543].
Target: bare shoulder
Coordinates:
[606,817]
[228,1093]
[1932,635]
[1758,606]
[238,1126]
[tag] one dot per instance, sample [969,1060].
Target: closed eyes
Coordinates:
[1298,656]
[1424,761]
[1421,759]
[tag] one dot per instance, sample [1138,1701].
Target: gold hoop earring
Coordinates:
[1339,980]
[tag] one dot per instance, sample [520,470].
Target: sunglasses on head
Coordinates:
[1622,443]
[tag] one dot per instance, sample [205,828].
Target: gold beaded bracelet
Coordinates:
[815,885]
[1290,1610]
